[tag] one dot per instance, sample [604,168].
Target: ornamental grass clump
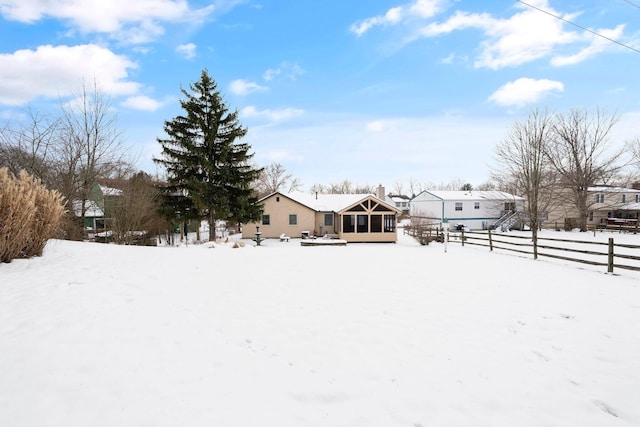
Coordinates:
[30,215]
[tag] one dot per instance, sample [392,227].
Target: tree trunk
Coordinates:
[212,227]
[534,238]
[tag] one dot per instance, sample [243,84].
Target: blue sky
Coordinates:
[376,92]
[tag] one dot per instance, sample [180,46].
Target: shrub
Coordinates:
[30,214]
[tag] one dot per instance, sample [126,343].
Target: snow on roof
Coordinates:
[327,202]
[611,189]
[398,197]
[630,207]
[92,209]
[474,195]
[108,191]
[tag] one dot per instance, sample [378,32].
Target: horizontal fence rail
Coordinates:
[603,254]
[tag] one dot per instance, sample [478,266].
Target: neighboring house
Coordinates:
[98,206]
[351,217]
[93,216]
[399,201]
[472,209]
[605,205]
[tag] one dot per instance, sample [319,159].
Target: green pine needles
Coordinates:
[205,159]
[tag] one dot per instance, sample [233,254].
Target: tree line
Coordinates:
[210,174]
[549,158]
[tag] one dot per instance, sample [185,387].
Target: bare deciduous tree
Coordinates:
[416,187]
[343,187]
[91,146]
[274,177]
[135,212]
[522,161]
[398,188]
[29,146]
[580,153]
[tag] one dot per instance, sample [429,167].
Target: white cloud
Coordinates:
[53,71]
[525,36]
[525,91]
[377,126]
[393,16]
[598,45]
[448,59]
[143,103]
[418,9]
[271,115]
[458,21]
[242,87]
[187,50]
[288,70]
[129,21]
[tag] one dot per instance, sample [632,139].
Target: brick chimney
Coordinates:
[380,192]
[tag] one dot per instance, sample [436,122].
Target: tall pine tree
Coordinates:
[204,158]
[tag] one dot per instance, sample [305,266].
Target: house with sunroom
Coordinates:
[471,209]
[350,217]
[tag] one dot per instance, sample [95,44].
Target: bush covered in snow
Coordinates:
[29,215]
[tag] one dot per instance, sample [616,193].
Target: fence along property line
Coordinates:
[514,243]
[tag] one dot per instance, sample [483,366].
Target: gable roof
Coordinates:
[328,202]
[110,191]
[473,195]
[398,197]
[91,209]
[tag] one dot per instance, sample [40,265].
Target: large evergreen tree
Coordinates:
[204,158]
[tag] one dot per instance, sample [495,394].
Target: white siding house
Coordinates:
[473,209]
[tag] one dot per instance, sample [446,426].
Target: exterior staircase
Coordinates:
[506,221]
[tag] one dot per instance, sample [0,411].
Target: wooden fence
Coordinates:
[606,254]
[425,233]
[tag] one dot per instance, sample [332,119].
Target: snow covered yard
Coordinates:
[284,335]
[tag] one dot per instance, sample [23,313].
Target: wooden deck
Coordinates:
[323,242]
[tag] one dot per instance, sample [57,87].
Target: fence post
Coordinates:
[610,260]
[462,237]
[490,241]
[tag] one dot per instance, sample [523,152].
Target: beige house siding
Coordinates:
[602,203]
[373,221]
[278,208]
[321,221]
[322,227]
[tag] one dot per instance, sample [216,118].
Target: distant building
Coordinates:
[605,205]
[471,209]
[401,202]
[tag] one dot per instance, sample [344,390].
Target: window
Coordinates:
[637,198]
[624,198]
[599,198]
[389,223]
[363,223]
[591,216]
[293,219]
[476,205]
[348,223]
[458,206]
[328,220]
[266,220]
[277,198]
[376,223]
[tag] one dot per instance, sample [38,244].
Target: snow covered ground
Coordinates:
[283,335]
